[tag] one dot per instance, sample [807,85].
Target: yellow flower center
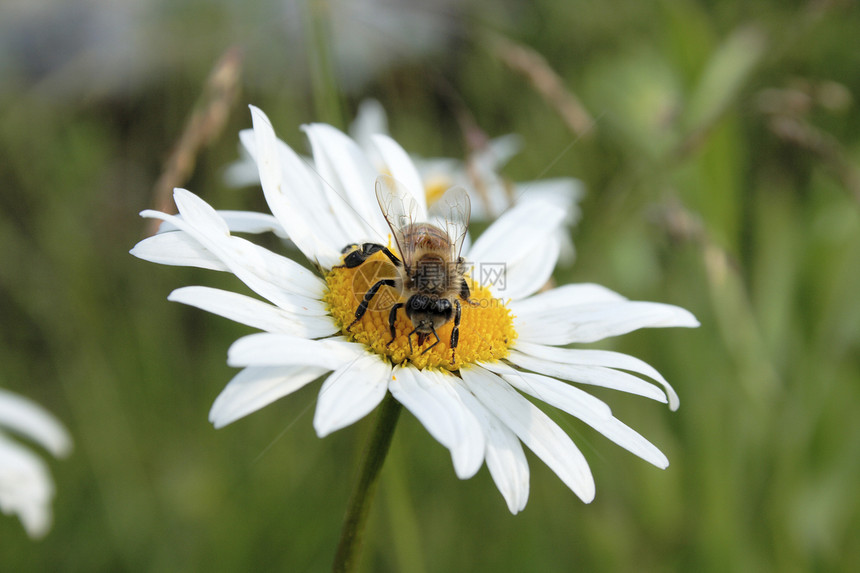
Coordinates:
[435,186]
[486,328]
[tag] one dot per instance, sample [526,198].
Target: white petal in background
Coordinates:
[563,192]
[34,422]
[400,166]
[243,172]
[370,119]
[26,487]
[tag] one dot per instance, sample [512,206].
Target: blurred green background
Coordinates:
[721,175]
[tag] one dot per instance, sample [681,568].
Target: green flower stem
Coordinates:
[351,534]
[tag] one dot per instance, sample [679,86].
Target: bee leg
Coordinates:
[465,293]
[363,252]
[433,330]
[391,257]
[351,249]
[455,332]
[409,339]
[392,317]
[362,307]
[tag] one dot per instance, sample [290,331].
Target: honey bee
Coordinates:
[430,270]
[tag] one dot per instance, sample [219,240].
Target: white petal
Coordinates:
[199,214]
[251,222]
[370,119]
[504,454]
[177,248]
[593,375]
[605,358]
[534,429]
[248,138]
[306,204]
[584,406]
[297,288]
[431,397]
[276,278]
[293,193]
[599,407]
[529,274]
[29,419]
[243,172]
[349,181]
[256,387]
[241,222]
[592,322]
[564,192]
[564,296]
[350,393]
[501,149]
[276,188]
[400,167]
[268,349]
[253,312]
[26,488]
[517,233]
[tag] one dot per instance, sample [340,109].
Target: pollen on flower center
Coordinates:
[486,328]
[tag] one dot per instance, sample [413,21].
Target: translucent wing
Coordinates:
[399,209]
[451,213]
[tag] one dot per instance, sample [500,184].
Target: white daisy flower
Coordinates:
[470,399]
[26,487]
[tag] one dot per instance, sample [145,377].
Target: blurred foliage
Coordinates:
[722,176]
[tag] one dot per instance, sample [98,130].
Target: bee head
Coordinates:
[428,312]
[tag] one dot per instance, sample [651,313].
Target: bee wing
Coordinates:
[451,212]
[399,209]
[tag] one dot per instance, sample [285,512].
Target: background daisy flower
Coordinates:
[492,193]
[26,487]
[475,406]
